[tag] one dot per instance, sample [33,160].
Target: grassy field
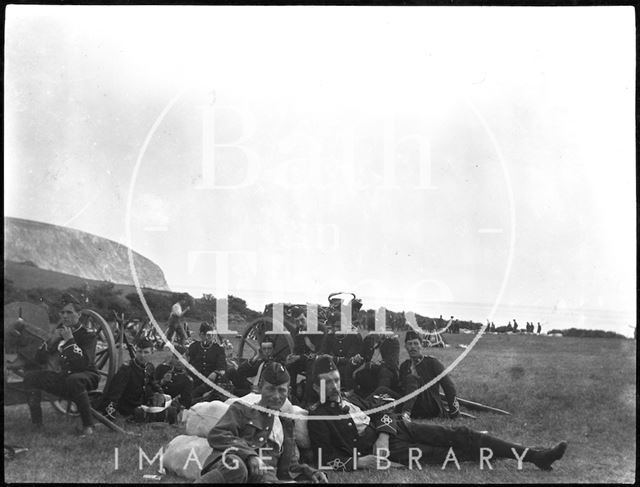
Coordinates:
[581,390]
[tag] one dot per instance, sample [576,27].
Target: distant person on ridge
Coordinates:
[178,310]
[539,328]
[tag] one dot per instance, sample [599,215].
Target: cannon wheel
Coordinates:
[106,361]
[253,334]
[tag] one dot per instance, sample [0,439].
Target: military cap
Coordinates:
[205,327]
[412,335]
[268,339]
[68,298]
[274,373]
[390,350]
[322,365]
[144,343]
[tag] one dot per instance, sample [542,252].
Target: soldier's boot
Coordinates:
[84,409]
[542,458]
[139,416]
[171,415]
[34,398]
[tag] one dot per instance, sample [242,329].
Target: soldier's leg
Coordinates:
[111,396]
[35,382]
[231,471]
[467,444]
[181,333]
[77,387]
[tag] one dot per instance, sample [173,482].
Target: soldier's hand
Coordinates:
[319,478]
[213,376]
[357,360]
[454,411]
[256,468]
[381,443]
[291,358]
[65,333]
[166,378]
[368,462]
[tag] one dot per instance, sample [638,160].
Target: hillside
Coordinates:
[47,247]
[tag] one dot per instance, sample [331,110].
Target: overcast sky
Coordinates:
[440,160]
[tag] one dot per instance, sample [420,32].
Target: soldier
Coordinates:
[208,358]
[379,373]
[300,361]
[345,348]
[419,370]
[75,347]
[515,325]
[247,377]
[539,328]
[385,436]
[174,324]
[174,379]
[250,445]
[134,388]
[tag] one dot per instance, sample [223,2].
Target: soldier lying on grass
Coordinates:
[382,437]
[250,445]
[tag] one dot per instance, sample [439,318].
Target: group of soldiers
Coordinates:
[345,375]
[254,445]
[529,328]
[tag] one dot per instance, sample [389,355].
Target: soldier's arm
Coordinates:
[118,384]
[78,350]
[221,362]
[226,433]
[154,385]
[323,442]
[300,470]
[447,385]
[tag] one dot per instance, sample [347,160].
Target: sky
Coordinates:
[468,161]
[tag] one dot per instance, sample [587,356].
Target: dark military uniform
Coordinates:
[427,404]
[206,359]
[248,430]
[335,440]
[370,377]
[343,347]
[132,386]
[180,385]
[306,346]
[77,376]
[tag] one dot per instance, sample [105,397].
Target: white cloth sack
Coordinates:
[185,456]
[201,417]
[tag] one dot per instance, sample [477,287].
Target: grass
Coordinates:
[582,390]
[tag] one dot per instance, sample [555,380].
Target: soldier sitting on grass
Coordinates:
[419,370]
[175,381]
[208,358]
[257,446]
[134,392]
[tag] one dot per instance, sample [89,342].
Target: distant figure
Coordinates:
[175,321]
[515,325]
[539,328]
